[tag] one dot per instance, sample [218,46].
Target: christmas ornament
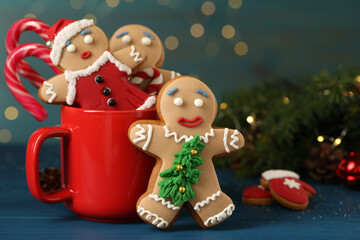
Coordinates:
[348,170]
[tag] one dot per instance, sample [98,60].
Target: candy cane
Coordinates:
[156,82]
[13,80]
[12,41]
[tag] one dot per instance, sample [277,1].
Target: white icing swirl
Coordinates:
[135,54]
[168,204]
[220,216]
[50,91]
[141,136]
[207,201]
[158,221]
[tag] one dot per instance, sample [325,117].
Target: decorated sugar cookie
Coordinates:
[94,78]
[287,189]
[150,77]
[184,143]
[257,195]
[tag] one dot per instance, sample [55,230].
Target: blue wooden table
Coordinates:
[334,213]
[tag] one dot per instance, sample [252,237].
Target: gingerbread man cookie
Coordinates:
[150,77]
[94,78]
[184,143]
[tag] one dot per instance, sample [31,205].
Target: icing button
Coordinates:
[111,102]
[99,79]
[106,91]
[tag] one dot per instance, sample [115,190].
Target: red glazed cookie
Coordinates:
[287,189]
[289,193]
[257,195]
[184,144]
[94,78]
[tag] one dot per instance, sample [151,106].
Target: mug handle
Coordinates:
[32,165]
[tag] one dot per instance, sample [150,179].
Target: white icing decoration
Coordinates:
[220,216]
[168,204]
[50,91]
[150,101]
[126,39]
[207,135]
[141,136]
[188,138]
[178,101]
[145,41]
[64,35]
[198,102]
[226,132]
[261,187]
[149,137]
[88,39]
[174,74]
[158,221]
[135,55]
[279,173]
[71,48]
[291,183]
[72,76]
[207,201]
[235,139]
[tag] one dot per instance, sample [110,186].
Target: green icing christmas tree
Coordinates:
[178,179]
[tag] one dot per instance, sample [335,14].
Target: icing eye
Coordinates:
[71,48]
[198,102]
[178,101]
[146,41]
[126,39]
[88,39]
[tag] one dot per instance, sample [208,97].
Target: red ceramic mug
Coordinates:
[103,174]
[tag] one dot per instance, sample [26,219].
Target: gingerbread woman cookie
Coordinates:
[150,77]
[94,78]
[184,143]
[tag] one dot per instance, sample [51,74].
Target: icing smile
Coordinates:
[189,123]
[86,55]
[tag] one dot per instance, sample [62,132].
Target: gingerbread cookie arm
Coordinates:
[54,90]
[168,75]
[143,133]
[226,141]
[131,56]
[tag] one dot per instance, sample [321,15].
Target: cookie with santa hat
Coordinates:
[93,77]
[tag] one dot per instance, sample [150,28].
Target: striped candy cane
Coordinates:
[156,82]
[13,79]
[12,41]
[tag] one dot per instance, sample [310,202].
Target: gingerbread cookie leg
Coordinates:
[211,210]
[157,211]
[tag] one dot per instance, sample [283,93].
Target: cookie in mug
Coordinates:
[184,142]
